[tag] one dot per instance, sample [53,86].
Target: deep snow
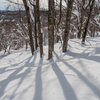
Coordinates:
[74,75]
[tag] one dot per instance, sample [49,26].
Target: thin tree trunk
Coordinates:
[26,45]
[53,14]
[67,26]
[50,28]
[58,25]
[87,22]
[40,37]
[81,20]
[35,30]
[29,26]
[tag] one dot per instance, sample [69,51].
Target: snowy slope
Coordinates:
[74,75]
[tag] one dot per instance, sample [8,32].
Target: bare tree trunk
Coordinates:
[29,26]
[53,18]
[35,30]
[26,45]
[81,20]
[50,28]
[58,25]
[40,37]
[87,22]
[67,26]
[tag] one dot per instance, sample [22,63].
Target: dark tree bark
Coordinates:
[38,25]
[29,26]
[53,18]
[81,20]
[67,26]
[50,28]
[87,22]
[35,30]
[58,24]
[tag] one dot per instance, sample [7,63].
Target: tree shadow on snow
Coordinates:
[38,84]
[66,87]
[89,56]
[95,90]
[13,76]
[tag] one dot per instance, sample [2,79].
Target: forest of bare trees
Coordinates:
[35,26]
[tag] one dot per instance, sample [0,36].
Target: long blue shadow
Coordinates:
[66,87]
[95,90]
[38,87]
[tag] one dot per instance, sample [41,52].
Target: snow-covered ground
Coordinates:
[74,75]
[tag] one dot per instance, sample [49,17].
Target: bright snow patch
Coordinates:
[74,75]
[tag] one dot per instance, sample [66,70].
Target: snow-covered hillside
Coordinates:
[74,75]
